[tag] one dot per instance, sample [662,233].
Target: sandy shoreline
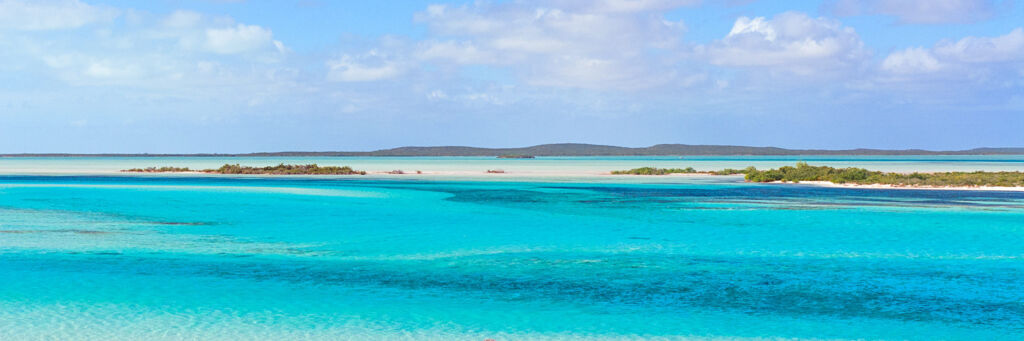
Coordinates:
[406,174]
[454,175]
[541,176]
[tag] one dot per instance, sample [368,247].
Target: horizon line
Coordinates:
[566,149]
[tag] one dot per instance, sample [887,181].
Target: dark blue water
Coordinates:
[85,257]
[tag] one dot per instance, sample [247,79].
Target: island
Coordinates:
[158,170]
[804,172]
[281,169]
[687,170]
[515,156]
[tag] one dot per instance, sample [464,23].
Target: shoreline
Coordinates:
[610,176]
[542,176]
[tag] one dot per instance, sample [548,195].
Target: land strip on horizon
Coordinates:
[571,149]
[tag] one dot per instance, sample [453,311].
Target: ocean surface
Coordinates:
[540,166]
[97,256]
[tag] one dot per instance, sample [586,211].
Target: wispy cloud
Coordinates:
[790,41]
[602,44]
[241,38]
[999,59]
[371,66]
[919,11]
[51,15]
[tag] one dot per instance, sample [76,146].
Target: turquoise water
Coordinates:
[201,257]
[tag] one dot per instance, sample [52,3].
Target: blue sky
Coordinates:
[169,76]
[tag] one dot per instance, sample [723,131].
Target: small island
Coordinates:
[803,172]
[687,170]
[861,176]
[515,156]
[158,170]
[281,169]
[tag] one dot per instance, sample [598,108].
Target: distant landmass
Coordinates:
[580,149]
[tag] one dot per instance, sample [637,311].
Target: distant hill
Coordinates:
[579,149]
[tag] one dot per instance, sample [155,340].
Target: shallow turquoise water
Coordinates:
[541,166]
[123,257]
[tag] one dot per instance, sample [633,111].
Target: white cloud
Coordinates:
[437,95]
[911,60]
[183,19]
[1005,48]
[622,6]
[970,57]
[196,32]
[583,44]
[154,56]
[51,15]
[240,38]
[789,41]
[462,52]
[757,26]
[106,70]
[920,11]
[78,68]
[372,66]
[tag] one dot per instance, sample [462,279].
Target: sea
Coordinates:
[551,250]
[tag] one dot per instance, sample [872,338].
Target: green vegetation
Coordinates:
[805,172]
[281,169]
[157,170]
[656,171]
[687,170]
[730,171]
[515,156]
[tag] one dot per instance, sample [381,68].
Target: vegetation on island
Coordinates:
[687,170]
[861,176]
[731,171]
[281,169]
[158,170]
[515,156]
[804,172]
[655,171]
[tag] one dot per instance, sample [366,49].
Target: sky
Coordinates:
[232,76]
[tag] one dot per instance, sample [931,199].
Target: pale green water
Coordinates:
[213,257]
[541,166]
